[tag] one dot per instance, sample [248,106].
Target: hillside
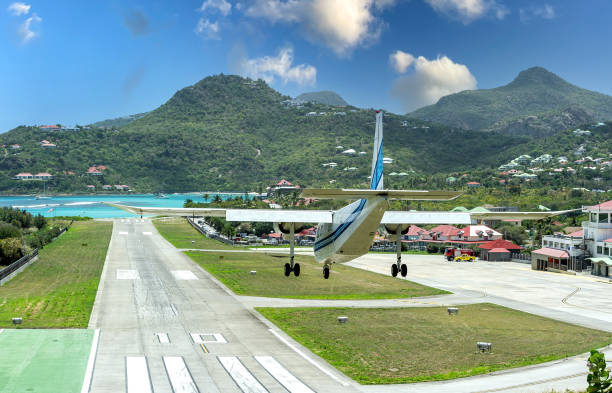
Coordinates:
[323,97]
[231,133]
[118,122]
[537,102]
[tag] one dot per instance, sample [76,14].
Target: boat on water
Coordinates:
[161,195]
[44,194]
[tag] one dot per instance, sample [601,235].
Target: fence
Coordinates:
[210,235]
[10,269]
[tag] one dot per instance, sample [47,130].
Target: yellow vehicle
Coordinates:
[465,258]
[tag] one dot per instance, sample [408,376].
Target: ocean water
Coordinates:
[94,205]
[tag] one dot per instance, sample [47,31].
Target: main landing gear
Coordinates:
[292,267]
[326,272]
[399,267]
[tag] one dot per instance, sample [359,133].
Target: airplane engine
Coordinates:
[285,228]
[392,229]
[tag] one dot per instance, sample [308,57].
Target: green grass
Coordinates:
[345,282]
[181,235]
[58,290]
[379,346]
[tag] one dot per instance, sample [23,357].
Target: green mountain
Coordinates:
[537,102]
[231,133]
[323,97]
[118,122]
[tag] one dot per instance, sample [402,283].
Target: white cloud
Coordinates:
[431,80]
[269,68]
[207,28]
[19,8]
[222,6]
[400,61]
[340,25]
[469,10]
[25,29]
[545,11]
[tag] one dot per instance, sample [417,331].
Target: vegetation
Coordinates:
[345,282]
[424,344]
[20,232]
[323,97]
[599,374]
[58,290]
[534,92]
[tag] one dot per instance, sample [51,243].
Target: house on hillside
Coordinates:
[23,176]
[43,176]
[15,146]
[473,184]
[476,233]
[91,187]
[50,128]
[107,187]
[93,171]
[48,145]
[282,187]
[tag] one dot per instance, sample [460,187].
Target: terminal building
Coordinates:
[592,246]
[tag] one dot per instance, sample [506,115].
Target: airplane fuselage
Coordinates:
[351,232]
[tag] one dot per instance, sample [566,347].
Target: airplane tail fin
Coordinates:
[377,156]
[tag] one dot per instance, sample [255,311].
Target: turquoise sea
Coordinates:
[94,206]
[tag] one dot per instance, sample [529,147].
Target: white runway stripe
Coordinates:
[90,362]
[179,375]
[137,374]
[123,233]
[147,233]
[282,375]
[184,275]
[126,274]
[243,378]
[206,338]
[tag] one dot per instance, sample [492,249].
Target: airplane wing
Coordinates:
[425,217]
[437,217]
[241,215]
[413,195]
[518,215]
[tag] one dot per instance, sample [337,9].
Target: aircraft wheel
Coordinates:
[296,270]
[394,270]
[404,270]
[287,270]
[326,272]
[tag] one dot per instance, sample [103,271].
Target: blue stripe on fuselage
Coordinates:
[338,231]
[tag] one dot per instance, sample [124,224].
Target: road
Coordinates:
[155,308]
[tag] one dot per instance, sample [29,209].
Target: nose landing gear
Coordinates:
[399,267]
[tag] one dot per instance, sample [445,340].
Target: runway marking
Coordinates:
[147,233]
[90,362]
[243,378]
[184,275]
[179,375]
[204,348]
[282,375]
[123,233]
[207,338]
[163,338]
[308,359]
[137,375]
[127,274]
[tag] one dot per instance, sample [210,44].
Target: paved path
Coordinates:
[154,309]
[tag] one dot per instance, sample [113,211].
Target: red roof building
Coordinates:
[414,230]
[551,252]
[473,184]
[579,233]
[500,243]
[23,176]
[602,206]
[498,250]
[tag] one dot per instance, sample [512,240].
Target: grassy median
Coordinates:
[58,290]
[182,235]
[379,346]
[345,282]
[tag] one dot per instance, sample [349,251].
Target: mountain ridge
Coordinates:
[533,92]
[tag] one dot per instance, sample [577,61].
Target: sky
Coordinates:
[77,62]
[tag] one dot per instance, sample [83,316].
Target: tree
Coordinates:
[599,376]
[228,230]
[514,233]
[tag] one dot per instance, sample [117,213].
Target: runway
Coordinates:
[165,326]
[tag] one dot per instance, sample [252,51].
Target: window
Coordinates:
[556,245]
[544,243]
[599,250]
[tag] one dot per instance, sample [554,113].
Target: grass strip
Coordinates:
[182,235]
[383,346]
[345,282]
[58,290]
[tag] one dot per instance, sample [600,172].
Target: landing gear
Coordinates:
[292,267]
[326,272]
[399,267]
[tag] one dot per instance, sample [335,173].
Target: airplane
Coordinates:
[345,234]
